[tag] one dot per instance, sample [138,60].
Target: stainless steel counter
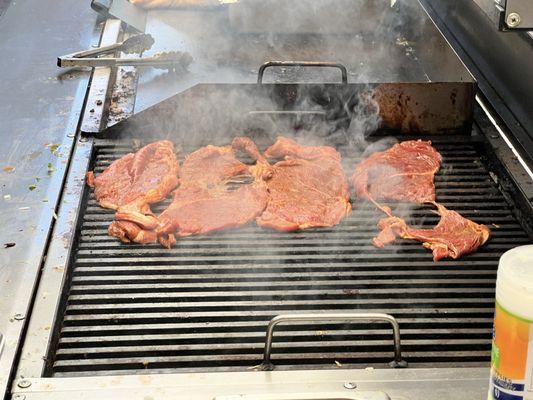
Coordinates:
[39,113]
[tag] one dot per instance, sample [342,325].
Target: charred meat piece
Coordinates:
[130,184]
[453,237]
[307,189]
[405,172]
[209,197]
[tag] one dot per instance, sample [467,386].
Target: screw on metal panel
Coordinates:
[350,385]
[513,20]
[18,396]
[24,383]
[19,316]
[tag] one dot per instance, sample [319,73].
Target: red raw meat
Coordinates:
[405,172]
[204,201]
[307,189]
[453,237]
[133,182]
[145,177]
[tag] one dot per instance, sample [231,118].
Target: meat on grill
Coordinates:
[307,188]
[405,172]
[453,237]
[205,200]
[130,184]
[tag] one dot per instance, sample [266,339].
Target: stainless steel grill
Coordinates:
[205,304]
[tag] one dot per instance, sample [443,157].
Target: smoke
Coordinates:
[368,37]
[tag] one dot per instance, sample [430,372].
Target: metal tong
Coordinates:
[134,44]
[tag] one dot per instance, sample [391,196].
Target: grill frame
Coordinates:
[40,336]
[420,255]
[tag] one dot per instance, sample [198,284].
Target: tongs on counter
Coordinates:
[135,44]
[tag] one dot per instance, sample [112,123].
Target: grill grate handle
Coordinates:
[324,64]
[398,362]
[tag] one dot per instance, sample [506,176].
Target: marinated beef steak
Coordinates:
[453,237]
[405,172]
[207,199]
[130,184]
[139,179]
[307,189]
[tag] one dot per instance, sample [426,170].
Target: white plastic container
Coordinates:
[512,344]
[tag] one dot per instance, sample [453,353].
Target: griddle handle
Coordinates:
[398,362]
[322,64]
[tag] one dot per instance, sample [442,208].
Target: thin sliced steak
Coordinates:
[205,201]
[141,178]
[405,172]
[453,237]
[307,189]
[130,184]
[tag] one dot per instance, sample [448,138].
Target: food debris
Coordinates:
[50,168]
[24,208]
[45,200]
[350,291]
[338,364]
[8,245]
[54,215]
[496,226]
[98,102]
[32,187]
[8,169]
[321,333]
[7,197]
[53,147]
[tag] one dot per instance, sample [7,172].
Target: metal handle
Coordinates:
[324,64]
[398,362]
[101,6]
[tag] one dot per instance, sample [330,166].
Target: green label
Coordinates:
[495,355]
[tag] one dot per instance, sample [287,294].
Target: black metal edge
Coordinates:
[500,62]
[512,179]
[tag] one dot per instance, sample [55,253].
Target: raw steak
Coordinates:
[130,184]
[205,201]
[453,236]
[139,179]
[405,172]
[307,189]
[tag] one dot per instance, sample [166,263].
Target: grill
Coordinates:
[205,304]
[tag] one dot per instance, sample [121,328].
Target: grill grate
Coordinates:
[205,304]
